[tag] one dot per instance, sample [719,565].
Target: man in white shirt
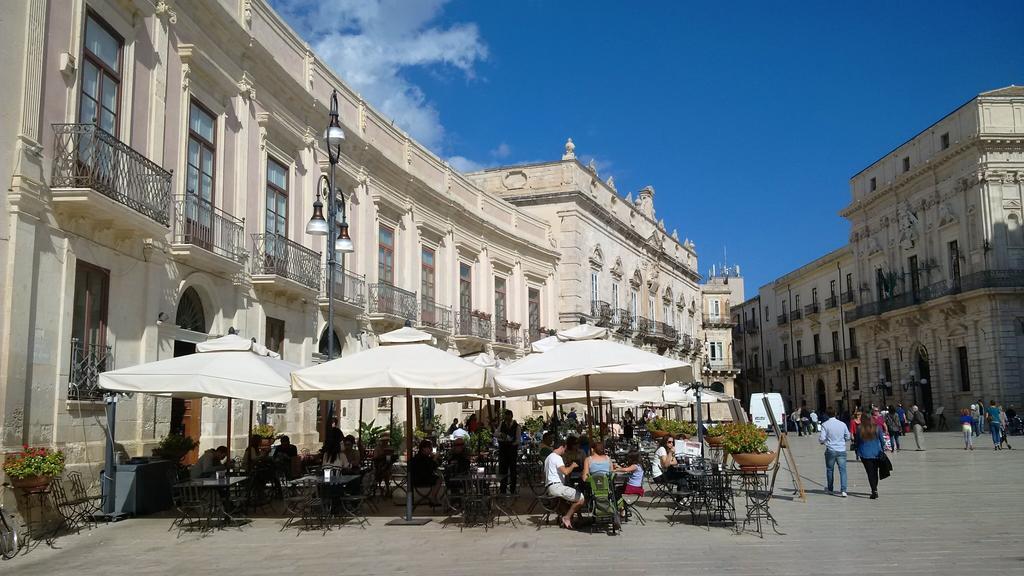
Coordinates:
[554,474]
[208,463]
[814,421]
[834,435]
[460,432]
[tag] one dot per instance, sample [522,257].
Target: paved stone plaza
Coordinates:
[944,511]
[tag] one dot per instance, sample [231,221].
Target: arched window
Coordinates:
[190,315]
[322,347]
[1013,231]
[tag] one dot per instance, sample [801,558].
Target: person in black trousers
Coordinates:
[870,449]
[508,452]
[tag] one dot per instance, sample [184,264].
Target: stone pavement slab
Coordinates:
[944,511]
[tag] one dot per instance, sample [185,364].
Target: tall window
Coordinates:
[89,324]
[202,147]
[386,255]
[101,76]
[964,369]
[615,297]
[500,311]
[427,286]
[954,262]
[832,289]
[595,293]
[814,295]
[465,288]
[277,198]
[849,283]
[715,308]
[275,335]
[915,279]
[816,342]
[533,303]
[715,352]
[886,370]
[634,305]
[799,348]
[796,304]
[856,378]
[835,345]
[650,308]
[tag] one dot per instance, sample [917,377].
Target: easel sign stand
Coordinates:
[798,484]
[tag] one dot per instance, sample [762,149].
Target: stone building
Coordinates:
[930,286]
[162,160]
[619,265]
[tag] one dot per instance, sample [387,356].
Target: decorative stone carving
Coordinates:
[570,150]
[675,235]
[597,257]
[164,12]
[645,201]
[515,180]
[611,183]
[873,245]
[186,76]
[909,226]
[246,87]
[629,197]
[592,166]
[617,268]
[946,214]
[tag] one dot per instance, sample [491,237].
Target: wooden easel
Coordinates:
[784,447]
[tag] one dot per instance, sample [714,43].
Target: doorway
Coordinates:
[819,396]
[186,414]
[925,382]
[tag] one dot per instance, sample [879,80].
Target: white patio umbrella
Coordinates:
[226,367]
[411,369]
[589,364]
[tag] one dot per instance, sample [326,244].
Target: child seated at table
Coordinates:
[635,483]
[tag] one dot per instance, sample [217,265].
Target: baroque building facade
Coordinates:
[930,287]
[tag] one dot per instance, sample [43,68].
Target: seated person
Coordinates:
[252,454]
[572,453]
[458,460]
[545,445]
[210,462]
[597,463]
[453,427]
[332,454]
[635,482]
[423,470]
[555,470]
[664,462]
[286,457]
[350,455]
[285,448]
[460,432]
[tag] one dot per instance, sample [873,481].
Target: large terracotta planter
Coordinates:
[713,441]
[753,462]
[659,433]
[31,483]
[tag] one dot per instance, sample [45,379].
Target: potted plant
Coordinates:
[266,433]
[660,427]
[534,425]
[713,435]
[32,469]
[747,443]
[686,428]
[174,447]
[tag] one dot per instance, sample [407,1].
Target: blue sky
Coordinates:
[748,118]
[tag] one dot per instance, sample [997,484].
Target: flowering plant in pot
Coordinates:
[33,468]
[747,444]
[266,433]
[174,447]
[713,434]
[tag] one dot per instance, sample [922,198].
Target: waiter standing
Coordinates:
[508,451]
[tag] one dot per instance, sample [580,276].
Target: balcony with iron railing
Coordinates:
[205,236]
[831,302]
[685,342]
[795,315]
[435,316]
[349,291]
[623,321]
[782,319]
[506,333]
[642,326]
[846,298]
[988,279]
[600,313]
[87,362]
[391,304]
[784,365]
[852,353]
[97,176]
[712,320]
[470,326]
[280,264]
[811,309]
[751,328]
[531,335]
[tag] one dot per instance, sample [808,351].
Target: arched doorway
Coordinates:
[819,397]
[186,415]
[717,386]
[322,345]
[190,314]
[924,381]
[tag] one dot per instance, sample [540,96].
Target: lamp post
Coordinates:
[318,226]
[913,383]
[881,386]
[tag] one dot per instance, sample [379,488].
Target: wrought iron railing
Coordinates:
[601,312]
[87,362]
[751,328]
[670,332]
[976,281]
[717,320]
[434,315]
[276,255]
[348,287]
[86,156]
[852,353]
[200,223]
[505,333]
[623,320]
[811,309]
[846,298]
[795,315]
[389,299]
[467,324]
[533,334]
[643,325]
[784,365]
[782,319]
[831,302]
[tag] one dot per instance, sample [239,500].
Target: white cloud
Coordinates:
[371,42]
[502,151]
[463,164]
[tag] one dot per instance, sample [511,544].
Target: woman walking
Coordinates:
[892,422]
[967,426]
[994,425]
[854,426]
[1003,423]
[870,450]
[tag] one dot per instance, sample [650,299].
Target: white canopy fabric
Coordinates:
[582,332]
[405,335]
[390,371]
[545,344]
[227,367]
[235,343]
[685,397]
[610,366]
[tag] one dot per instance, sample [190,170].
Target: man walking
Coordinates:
[834,435]
[919,425]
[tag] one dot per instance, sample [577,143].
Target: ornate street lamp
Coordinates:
[320,226]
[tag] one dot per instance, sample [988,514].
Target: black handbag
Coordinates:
[884,466]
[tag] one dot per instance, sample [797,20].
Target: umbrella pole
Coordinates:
[700,424]
[360,432]
[229,426]
[590,418]
[250,420]
[554,411]
[408,520]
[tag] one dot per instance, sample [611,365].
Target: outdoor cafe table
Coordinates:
[212,487]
